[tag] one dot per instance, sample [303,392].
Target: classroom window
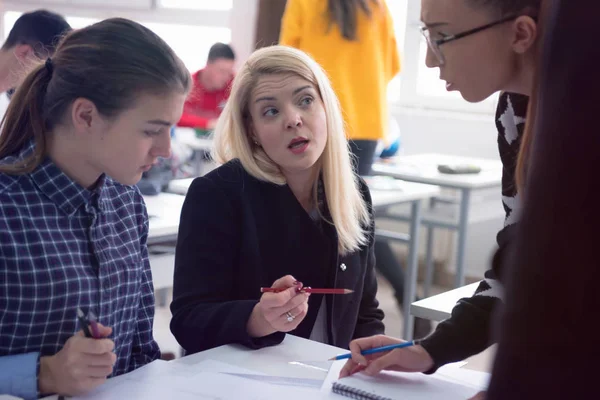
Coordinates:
[397,10]
[197,4]
[190,43]
[10,17]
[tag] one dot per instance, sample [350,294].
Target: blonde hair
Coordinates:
[232,140]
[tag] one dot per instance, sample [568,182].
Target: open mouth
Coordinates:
[298,144]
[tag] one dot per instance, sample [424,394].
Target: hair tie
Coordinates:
[49,65]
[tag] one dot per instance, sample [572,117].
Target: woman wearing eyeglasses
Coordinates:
[480,47]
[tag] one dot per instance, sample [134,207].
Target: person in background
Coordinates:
[283,208]
[79,132]
[32,37]
[546,340]
[268,22]
[211,89]
[354,42]
[480,47]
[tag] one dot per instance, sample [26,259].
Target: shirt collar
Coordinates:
[67,194]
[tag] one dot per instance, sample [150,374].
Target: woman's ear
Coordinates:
[252,132]
[24,52]
[525,34]
[85,117]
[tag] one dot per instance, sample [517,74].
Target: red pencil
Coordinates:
[309,290]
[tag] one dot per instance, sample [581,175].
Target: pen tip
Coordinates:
[332,359]
[348,291]
[80,313]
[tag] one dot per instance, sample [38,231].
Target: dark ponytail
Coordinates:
[111,63]
[344,13]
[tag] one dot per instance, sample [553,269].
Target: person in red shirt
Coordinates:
[211,89]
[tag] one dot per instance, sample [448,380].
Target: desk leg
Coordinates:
[428,263]
[429,255]
[462,237]
[410,284]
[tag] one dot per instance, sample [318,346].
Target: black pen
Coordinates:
[83,321]
[85,324]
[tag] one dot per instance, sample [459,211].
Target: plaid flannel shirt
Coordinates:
[63,246]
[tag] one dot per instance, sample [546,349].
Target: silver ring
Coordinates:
[290,317]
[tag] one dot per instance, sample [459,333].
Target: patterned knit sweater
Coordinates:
[468,330]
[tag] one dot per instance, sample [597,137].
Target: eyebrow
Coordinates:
[160,122]
[268,98]
[434,24]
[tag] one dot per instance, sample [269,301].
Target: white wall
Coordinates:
[447,132]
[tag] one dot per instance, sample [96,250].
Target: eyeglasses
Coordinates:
[434,44]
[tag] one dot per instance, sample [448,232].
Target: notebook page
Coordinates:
[409,386]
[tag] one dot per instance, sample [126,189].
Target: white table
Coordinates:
[200,146]
[439,307]
[164,211]
[422,168]
[396,193]
[295,357]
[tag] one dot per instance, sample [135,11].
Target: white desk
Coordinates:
[164,211]
[200,146]
[439,307]
[403,192]
[422,168]
[295,357]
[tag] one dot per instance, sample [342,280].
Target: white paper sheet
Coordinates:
[207,380]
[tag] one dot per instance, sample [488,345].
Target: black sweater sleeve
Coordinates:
[204,316]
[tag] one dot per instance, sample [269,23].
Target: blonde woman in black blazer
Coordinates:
[283,210]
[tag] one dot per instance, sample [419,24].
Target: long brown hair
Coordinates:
[109,63]
[526,141]
[344,13]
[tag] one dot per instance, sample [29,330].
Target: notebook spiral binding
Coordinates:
[357,394]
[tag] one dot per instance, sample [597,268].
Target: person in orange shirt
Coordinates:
[354,42]
[211,89]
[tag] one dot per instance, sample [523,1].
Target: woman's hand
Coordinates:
[408,359]
[279,312]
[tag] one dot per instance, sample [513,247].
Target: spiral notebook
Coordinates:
[404,386]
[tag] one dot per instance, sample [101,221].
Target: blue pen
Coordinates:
[377,350]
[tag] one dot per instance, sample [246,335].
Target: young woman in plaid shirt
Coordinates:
[78,134]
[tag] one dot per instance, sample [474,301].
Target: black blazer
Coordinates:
[238,233]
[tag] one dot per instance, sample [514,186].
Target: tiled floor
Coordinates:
[392,321]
